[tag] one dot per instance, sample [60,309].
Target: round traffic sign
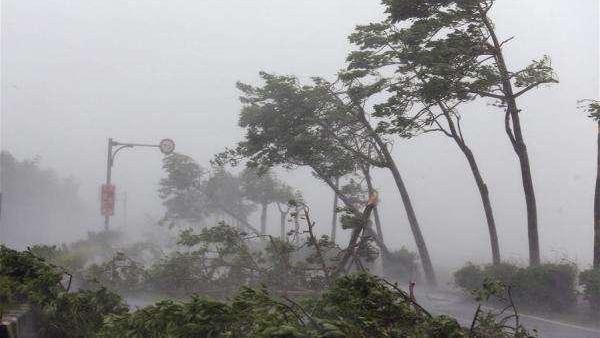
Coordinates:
[166,146]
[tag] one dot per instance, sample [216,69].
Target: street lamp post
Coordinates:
[166,146]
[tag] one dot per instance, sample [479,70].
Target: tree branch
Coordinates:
[533,85]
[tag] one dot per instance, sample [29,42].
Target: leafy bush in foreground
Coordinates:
[357,305]
[551,286]
[26,278]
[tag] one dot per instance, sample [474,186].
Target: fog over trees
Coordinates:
[325,152]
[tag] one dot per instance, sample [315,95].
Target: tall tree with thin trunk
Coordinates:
[456,41]
[412,106]
[344,118]
[334,215]
[593,108]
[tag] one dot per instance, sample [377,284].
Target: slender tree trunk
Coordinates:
[283,233]
[334,214]
[414,226]
[481,186]
[487,205]
[410,212]
[263,219]
[354,237]
[597,209]
[515,135]
[371,190]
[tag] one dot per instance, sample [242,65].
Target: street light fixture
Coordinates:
[166,146]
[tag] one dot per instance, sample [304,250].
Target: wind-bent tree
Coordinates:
[285,126]
[392,57]
[459,56]
[281,131]
[190,196]
[593,108]
[180,189]
[343,117]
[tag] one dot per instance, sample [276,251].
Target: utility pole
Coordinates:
[166,146]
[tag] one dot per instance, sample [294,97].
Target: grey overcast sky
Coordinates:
[76,72]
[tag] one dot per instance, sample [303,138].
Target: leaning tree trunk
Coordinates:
[334,214]
[516,137]
[487,204]
[481,186]
[527,180]
[597,209]
[263,219]
[283,233]
[364,228]
[410,212]
[414,226]
[371,190]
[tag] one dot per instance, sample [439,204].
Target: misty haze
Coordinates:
[334,168]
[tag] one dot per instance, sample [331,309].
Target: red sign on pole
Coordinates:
[107,200]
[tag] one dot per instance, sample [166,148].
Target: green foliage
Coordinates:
[26,278]
[427,53]
[401,265]
[222,258]
[180,190]
[264,187]
[292,125]
[356,306]
[550,286]
[590,280]
[190,197]
[195,318]
[79,314]
[120,273]
[101,258]
[592,107]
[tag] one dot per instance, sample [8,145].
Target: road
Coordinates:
[464,310]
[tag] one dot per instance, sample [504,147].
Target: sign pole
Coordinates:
[108,179]
[166,146]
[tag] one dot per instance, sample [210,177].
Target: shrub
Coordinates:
[590,280]
[356,306]
[470,277]
[78,314]
[551,286]
[547,285]
[401,264]
[29,279]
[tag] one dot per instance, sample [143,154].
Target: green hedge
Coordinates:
[590,280]
[548,286]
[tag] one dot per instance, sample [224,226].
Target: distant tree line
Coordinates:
[36,202]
